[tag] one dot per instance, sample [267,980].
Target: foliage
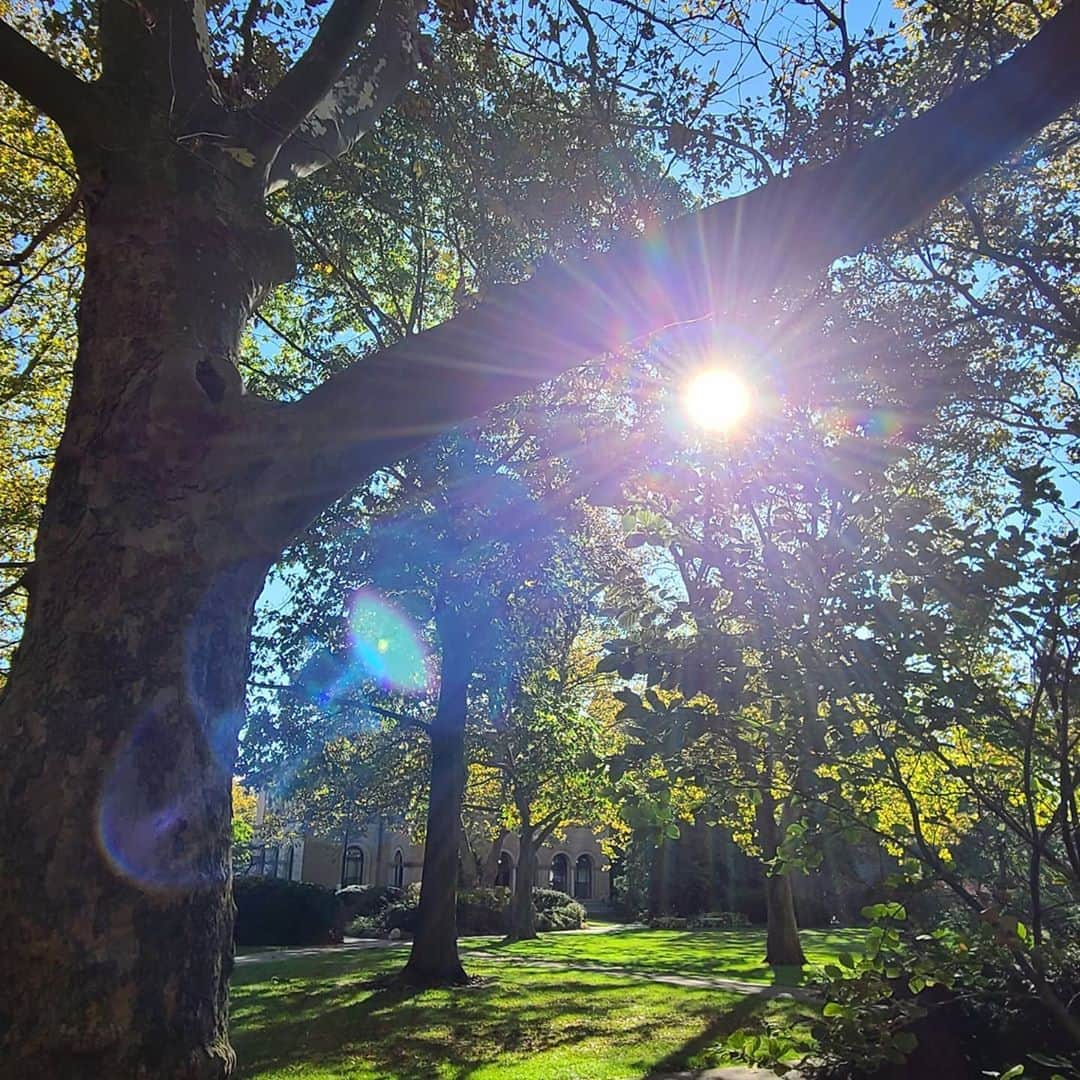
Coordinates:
[367,901]
[273,911]
[557,911]
[905,987]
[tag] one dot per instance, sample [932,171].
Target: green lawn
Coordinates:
[326,1016]
[730,954]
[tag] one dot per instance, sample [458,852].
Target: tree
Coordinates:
[173,491]
[548,751]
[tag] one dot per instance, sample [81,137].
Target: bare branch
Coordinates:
[306,85]
[47,85]
[57,221]
[698,266]
[348,109]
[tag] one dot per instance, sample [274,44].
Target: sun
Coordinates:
[717,399]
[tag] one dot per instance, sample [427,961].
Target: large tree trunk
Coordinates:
[522,914]
[120,718]
[434,958]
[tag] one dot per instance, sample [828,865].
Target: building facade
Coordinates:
[380,852]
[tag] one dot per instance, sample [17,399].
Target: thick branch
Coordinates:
[37,77]
[350,107]
[703,264]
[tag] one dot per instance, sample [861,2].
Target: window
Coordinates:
[256,858]
[560,873]
[353,870]
[270,861]
[505,874]
[398,872]
[583,878]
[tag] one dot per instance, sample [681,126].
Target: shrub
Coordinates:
[557,911]
[669,922]
[483,911]
[400,916]
[274,911]
[720,920]
[367,901]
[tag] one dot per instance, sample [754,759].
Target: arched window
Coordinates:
[560,873]
[398,871]
[353,870]
[505,874]
[583,878]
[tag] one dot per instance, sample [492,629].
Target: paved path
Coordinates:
[265,955]
[691,982]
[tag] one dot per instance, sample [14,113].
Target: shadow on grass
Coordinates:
[353,1024]
[718,1028]
[718,954]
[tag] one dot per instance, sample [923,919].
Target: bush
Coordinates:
[479,911]
[557,911]
[720,920]
[483,911]
[367,901]
[669,922]
[274,911]
[401,916]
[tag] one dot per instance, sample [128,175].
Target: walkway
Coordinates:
[690,982]
[274,953]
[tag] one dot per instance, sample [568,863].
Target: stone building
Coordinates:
[380,852]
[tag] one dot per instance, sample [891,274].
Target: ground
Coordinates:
[325,1016]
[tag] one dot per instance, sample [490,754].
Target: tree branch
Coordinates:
[314,75]
[697,266]
[348,106]
[46,84]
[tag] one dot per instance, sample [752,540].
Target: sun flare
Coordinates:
[717,399]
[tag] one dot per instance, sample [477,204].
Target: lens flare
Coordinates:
[717,399]
[152,823]
[385,646]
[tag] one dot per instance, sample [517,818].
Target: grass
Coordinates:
[728,954]
[321,1017]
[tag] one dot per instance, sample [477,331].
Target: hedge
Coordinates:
[275,911]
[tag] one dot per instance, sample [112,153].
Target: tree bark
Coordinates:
[782,944]
[491,861]
[120,719]
[119,723]
[434,959]
[522,913]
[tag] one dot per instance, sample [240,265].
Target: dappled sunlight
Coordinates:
[720,954]
[316,1017]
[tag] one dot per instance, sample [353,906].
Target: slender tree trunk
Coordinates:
[434,958]
[491,862]
[522,914]
[782,944]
